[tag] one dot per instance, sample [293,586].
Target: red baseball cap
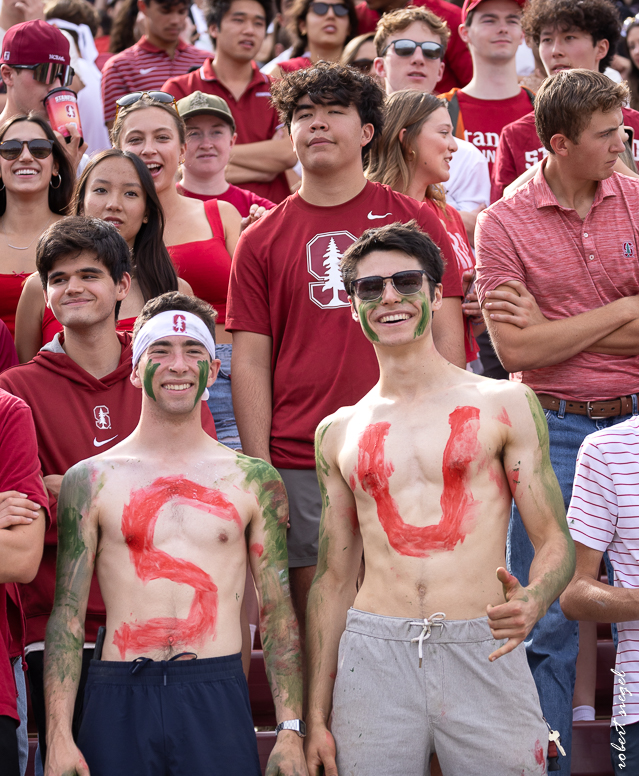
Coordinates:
[470,5]
[35,43]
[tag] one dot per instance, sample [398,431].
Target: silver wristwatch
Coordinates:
[298,725]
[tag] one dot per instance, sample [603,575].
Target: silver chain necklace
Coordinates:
[26,247]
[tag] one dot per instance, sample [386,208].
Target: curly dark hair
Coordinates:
[330,81]
[216,10]
[599,18]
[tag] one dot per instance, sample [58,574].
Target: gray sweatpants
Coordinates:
[390,715]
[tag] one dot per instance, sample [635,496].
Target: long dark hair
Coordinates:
[123,33]
[299,13]
[60,196]
[152,265]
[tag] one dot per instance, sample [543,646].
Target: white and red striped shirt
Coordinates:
[604,515]
[142,67]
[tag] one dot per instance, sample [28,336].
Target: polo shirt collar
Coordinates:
[145,44]
[545,197]
[207,73]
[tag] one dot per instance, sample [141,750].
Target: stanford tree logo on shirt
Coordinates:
[102,417]
[323,254]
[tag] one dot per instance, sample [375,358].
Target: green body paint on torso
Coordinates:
[149,372]
[203,366]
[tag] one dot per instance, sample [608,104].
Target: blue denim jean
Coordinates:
[553,643]
[21,732]
[221,403]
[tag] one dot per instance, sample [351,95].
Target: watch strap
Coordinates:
[298,725]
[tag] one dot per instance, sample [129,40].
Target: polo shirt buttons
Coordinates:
[585,234]
[592,256]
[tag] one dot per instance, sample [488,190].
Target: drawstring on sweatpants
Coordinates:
[140,662]
[426,624]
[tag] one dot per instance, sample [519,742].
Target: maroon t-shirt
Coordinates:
[480,122]
[242,199]
[19,470]
[255,118]
[520,149]
[285,284]
[459,65]
[76,416]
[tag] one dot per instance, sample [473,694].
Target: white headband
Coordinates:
[173,323]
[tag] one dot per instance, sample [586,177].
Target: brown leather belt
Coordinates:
[593,409]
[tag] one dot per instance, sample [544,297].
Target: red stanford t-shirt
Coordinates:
[480,122]
[520,149]
[285,284]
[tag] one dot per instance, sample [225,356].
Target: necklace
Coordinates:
[26,247]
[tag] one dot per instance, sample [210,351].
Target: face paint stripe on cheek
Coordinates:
[149,372]
[203,367]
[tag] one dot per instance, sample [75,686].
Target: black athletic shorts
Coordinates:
[168,718]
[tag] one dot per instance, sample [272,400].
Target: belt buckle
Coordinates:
[589,412]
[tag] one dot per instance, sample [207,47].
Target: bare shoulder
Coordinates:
[227,209]
[257,474]
[184,287]
[332,429]
[82,482]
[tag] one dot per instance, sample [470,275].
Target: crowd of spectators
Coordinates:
[240,148]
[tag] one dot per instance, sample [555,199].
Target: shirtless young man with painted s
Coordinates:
[419,475]
[165,517]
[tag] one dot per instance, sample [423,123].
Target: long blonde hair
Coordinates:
[390,157]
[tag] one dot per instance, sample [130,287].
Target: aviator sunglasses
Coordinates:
[38,148]
[321,9]
[406,48]
[405,283]
[47,73]
[133,97]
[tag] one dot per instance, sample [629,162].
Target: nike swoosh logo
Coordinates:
[145,70]
[371,217]
[99,444]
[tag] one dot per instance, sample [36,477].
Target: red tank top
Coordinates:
[10,290]
[206,264]
[298,63]
[50,325]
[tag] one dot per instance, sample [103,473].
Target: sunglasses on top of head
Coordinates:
[38,148]
[406,48]
[130,99]
[406,283]
[48,73]
[321,9]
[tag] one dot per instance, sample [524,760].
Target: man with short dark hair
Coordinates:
[492,31]
[81,397]
[159,54]
[167,518]
[295,358]
[570,34]
[569,330]
[417,476]
[262,154]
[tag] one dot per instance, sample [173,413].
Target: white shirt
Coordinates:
[604,515]
[469,184]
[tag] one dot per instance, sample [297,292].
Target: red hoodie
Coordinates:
[76,416]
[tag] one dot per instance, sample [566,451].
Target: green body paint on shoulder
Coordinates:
[267,485]
[425,316]
[149,372]
[364,309]
[540,419]
[203,366]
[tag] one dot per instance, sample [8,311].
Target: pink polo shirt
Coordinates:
[570,266]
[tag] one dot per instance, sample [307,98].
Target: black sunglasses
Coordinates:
[133,97]
[363,65]
[321,9]
[39,148]
[405,283]
[47,73]
[406,48]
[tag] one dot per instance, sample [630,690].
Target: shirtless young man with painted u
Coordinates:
[419,476]
[165,517]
